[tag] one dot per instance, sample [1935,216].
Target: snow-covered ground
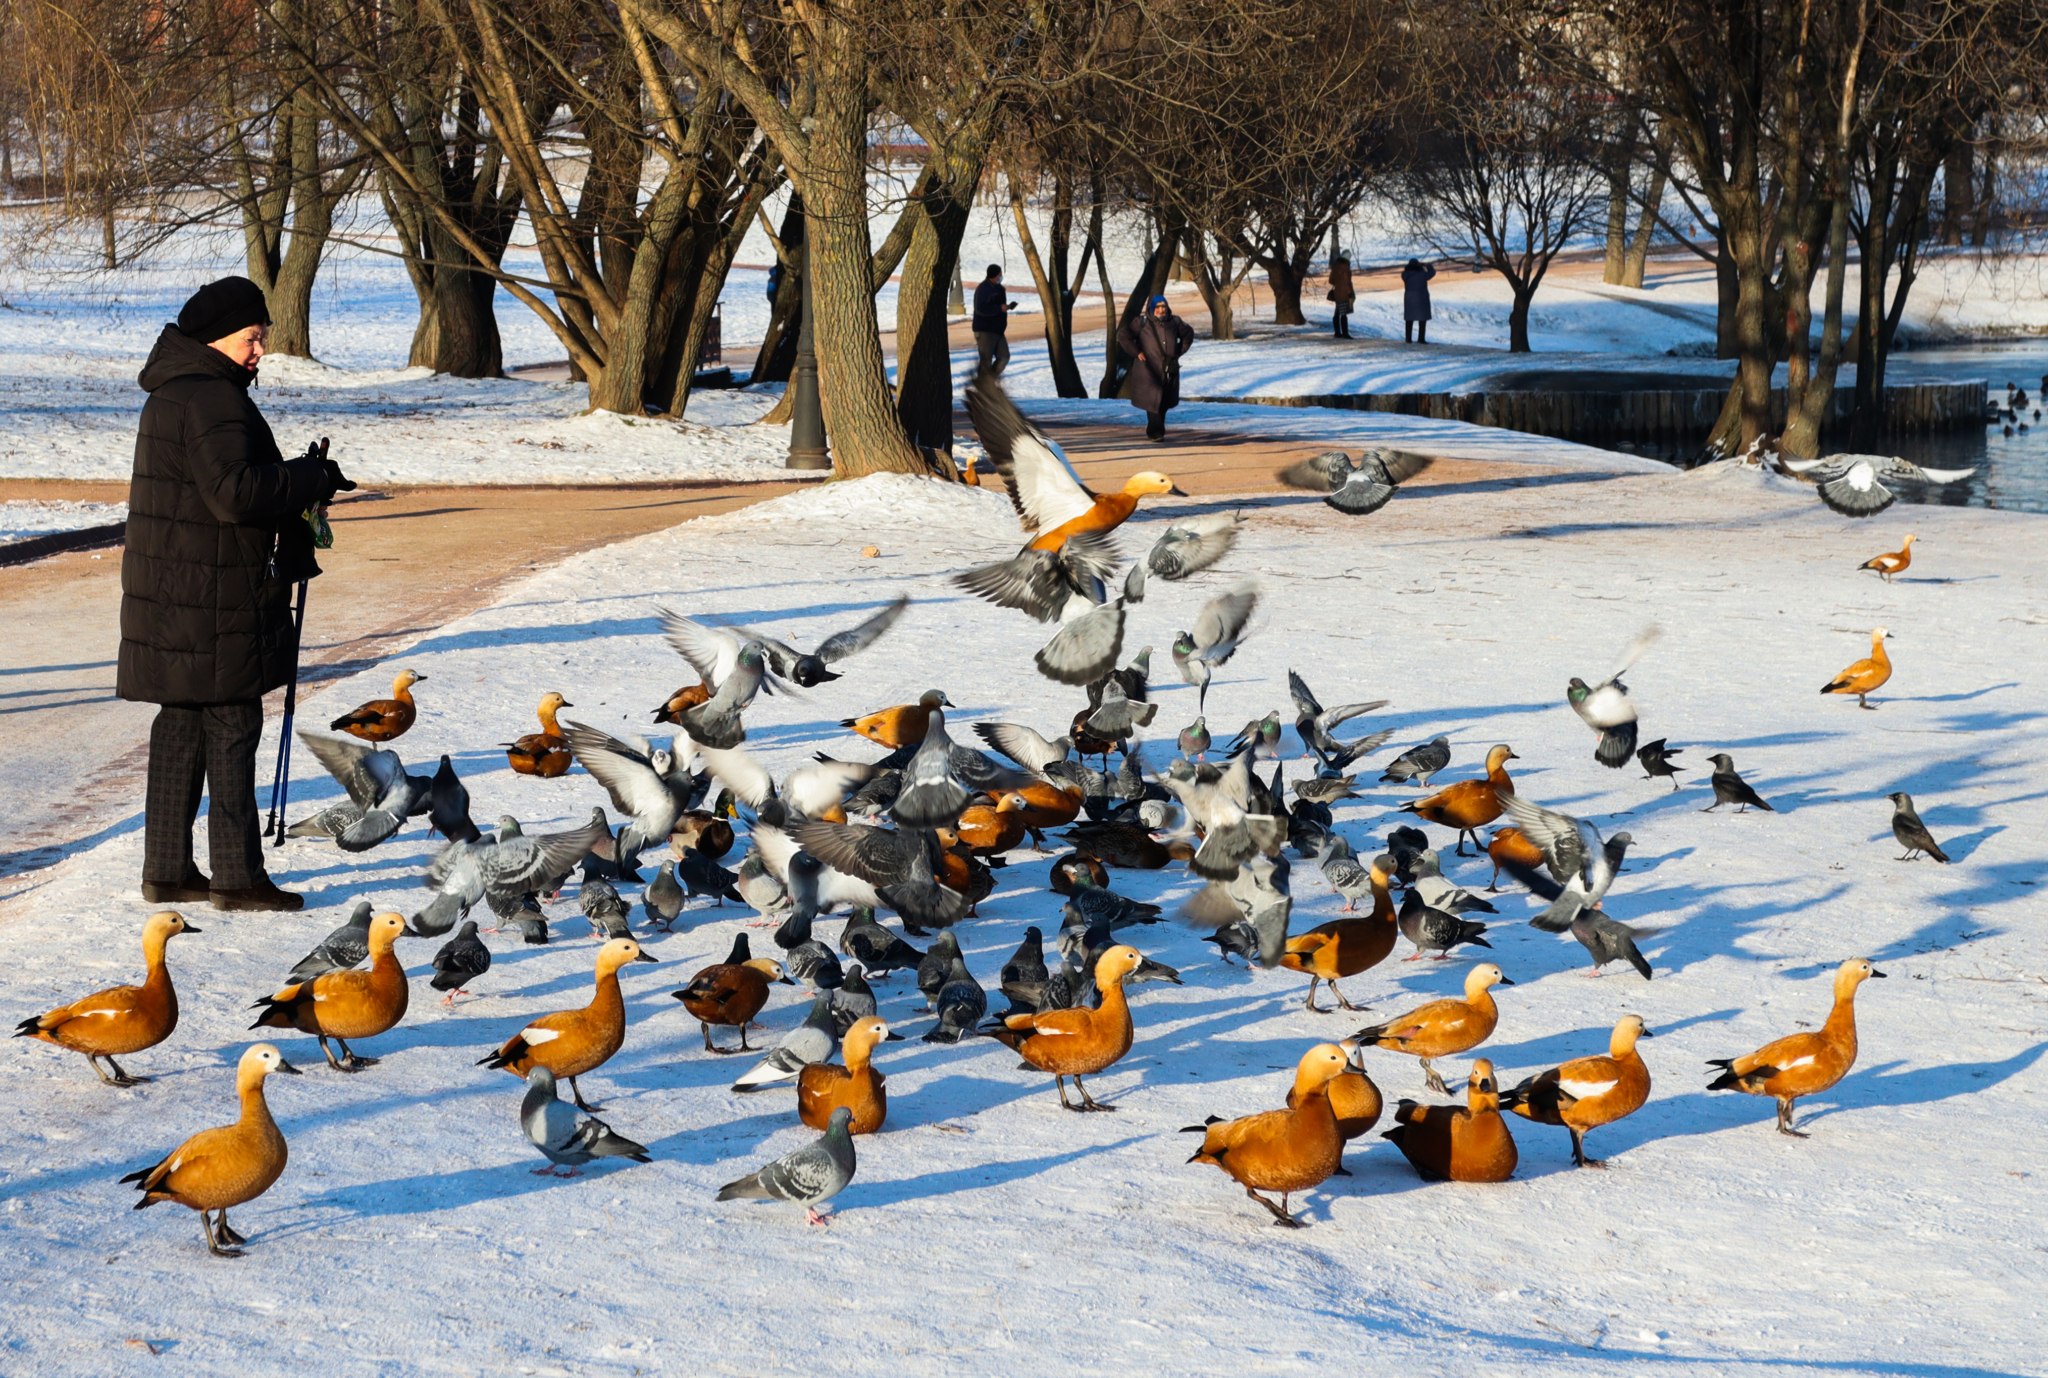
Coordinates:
[26,519]
[988,1228]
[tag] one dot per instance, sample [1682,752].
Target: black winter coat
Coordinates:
[991,308]
[215,536]
[1155,381]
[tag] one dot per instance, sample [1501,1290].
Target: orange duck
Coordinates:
[1130,846]
[704,833]
[228,1166]
[731,993]
[1344,947]
[1470,804]
[1865,676]
[1443,1027]
[544,753]
[1895,563]
[350,1003]
[123,1019]
[383,720]
[1802,1064]
[572,1042]
[1512,851]
[681,701]
[1354,1099]
[1458,1143]
[991,829]
[1079,1042]
[902,725]
[1588,1092]
[1047,804]
[822,1088]
[1285,1151]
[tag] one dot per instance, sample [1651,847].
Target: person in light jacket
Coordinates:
[1415,300]
[1155,343]
[1343,294]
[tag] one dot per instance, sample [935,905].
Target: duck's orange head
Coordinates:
[1482,1092]
[1012,803]
[1484,977]
[1627,1030]
[163,925]
[770,968]
[553,702]
[259,1062]
[865,1034]
[1150,483]
[1117,963]
[406,680]
[1499,756]
[385,931]
[1854,973]
[619,951]
[1320,1065]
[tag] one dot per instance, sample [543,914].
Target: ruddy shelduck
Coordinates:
[902,725]
[1442,1027]
[1802,1064]
[1469,804]
[1458,1143]
[122,1019]
[1588,1092]
[730,993]
[341,1005]
[822,1087]
[383,720]
[1284,1151]
[1866,676]
[544,753]
[1344,947]
[992,829]
[228,1166]
[1511,850]
[572,1042]
[1354,1098]
[1892,564]
[1079,1042]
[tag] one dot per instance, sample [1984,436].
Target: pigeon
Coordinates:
[1854,485]
[638,782]
[1191,544]
[1606,708]
[716,722]
[758,886]
[866,941]
[1099,908]
[1263,897]
[1313,723]
[1656,761]
[935,966]
[1910,831]
[1194,740]
[1575,847]
[1237,939]
[897,864]
[1118,715]
[663,899]
[1260,738]
[701,875]
[961,1003]
[377,783]
[1327,789]
[1056,585]
[529,918]
[1023,745]
[1730,788]
[1607,941]
[1405,846]
[461,960]
[1432,930]
[932,795]
[1219,628]
[809,1042]
[1418,763]
[1349,879]
[508,867]
[567,1139]
[810,1176]
[813,964]
[345,947]
[1356,487]
[1023,977]
[852,1001]
[808,670]
[448,805]
[606,909]
[1439,893]
[1085,648]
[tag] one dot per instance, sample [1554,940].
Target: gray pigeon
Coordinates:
[703,876]
[1731,788]
[866,941]
[809,1042]
[810,1176]
[1262,892]
[1326,789]
[663,899]
[1192,544]
[637,777]
[815,965]
[1218,629]
[606,909]
[1439,893]
[1340,867]
[961,1003]
[758,886]
[507,867]
[1575,849]
[461,960]
[345,947]
[1356,487]
[568,1139]
[1418,763]
[1607,709]
[377,783]
[934,967]
[853,1001]
[1432,930]
[529,918]
[1097,907]
[1911,832]
[931,796]
[1607,941]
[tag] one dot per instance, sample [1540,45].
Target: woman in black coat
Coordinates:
[1415,300]
[1155,344]
[217,536]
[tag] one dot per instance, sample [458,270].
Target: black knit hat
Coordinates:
[219,309]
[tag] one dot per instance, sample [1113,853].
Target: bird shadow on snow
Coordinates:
[1569,1353]
[1894,1083]
[984,1174]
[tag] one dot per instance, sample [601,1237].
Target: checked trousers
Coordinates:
[205,749]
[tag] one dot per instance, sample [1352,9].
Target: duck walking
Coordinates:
[572,1042]
[384,720]
[121,1019]
[544,753]
[1802,1064]
[1345,947]
[229,1166]
[730,993]
[1458,1143]
[1893,563]
[1866,676]
[1078,1042]
[1442,1027]
[1588,1092]
[341,1005]
[1470,805]
[1284,1151]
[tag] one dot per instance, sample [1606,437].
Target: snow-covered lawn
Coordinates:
[989,1231]
[26,519]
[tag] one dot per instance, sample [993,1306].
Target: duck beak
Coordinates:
[893,1038]
[419,679]
[188,928]
[288,1069]
[1878,974]
[567,704]
[1647,1033]
[645,957]
[1506,981]
[1175,490]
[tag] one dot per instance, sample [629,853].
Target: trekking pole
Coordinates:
[280,782]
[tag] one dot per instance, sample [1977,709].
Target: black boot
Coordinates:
[261,898]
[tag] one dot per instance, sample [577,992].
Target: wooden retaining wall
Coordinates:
[1655,416]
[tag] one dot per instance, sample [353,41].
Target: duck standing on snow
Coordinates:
[544,753]
[901,725]
[122,1019]
[1345,947]
[1911,832]
[229,1166]
[1442,1027]
[572,1042]
[1078,1042]
[1470,804]
[1802,1064]
[567,1140]
[1458,1143]
[731,992]
[384,720]
[1588,1092]
[1894,563]
[341,1005]
[1284,1151]
[1866,676]
[810,1176]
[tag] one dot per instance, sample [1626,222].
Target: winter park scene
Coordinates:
[1129,687]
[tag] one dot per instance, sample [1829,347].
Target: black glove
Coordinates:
[337,481]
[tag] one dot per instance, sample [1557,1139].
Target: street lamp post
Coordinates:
[807,446]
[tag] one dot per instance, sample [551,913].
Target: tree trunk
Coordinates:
[1806,413]
[924,353]
[1518,319]
[777,355]
[1727,289]
[1638,257]
[1614,267]
[1285,281]
[1055,302]
[457,332]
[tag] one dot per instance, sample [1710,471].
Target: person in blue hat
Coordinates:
[1155,342]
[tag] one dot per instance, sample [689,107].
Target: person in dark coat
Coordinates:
[217,536]
[991,321]
[1415,300]
[1155,343]
[1344,294]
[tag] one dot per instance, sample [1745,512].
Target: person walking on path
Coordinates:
[217,536]
[991,322]
[1415,300]
[1343,294]
[1155,344]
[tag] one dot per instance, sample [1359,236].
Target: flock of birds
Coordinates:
[920,832]
[2013,415]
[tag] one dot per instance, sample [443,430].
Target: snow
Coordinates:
[25,519]
[985,1225]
